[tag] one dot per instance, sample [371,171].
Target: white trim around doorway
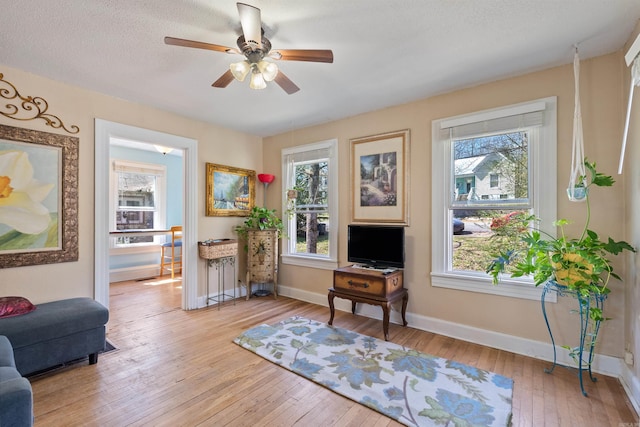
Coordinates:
[104,131]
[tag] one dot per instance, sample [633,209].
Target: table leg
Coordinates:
[275,285]
[386,306]
[405,299]
[353,307]
[331,307]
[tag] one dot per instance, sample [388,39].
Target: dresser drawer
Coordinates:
[372,283]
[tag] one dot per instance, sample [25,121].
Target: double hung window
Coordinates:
[488,168]
[310,195]
[137,201]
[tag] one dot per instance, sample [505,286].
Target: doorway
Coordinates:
[104,132]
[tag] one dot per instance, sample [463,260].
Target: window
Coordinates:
[310,196]
[488,167]
[494,180]
[137,200]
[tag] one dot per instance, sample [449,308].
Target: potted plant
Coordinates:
[260,219]
[580,264]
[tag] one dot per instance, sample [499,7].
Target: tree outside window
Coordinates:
[480,163]
[311,194]
[311,208]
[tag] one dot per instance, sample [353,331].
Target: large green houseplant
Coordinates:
[581,264]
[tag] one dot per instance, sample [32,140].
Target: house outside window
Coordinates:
[137,202]
[310,197]
[497,163]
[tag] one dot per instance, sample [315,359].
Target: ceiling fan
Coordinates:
[256,47]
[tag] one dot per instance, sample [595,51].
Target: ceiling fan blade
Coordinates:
[251,24]
[198,45]
[224,80]
[286,84]
[311,55]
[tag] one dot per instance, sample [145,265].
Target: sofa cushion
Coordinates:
[16,403]
[15,306]
[8,373]
[54,319]
[6,353]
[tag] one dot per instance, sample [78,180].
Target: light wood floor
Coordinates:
[178,368]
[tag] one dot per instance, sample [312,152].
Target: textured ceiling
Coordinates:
[386,52]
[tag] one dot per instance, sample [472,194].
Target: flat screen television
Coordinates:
[377,246]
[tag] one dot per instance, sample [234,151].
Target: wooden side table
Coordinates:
[369,287]
[219,253]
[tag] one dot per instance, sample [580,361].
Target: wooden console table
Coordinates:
[370,287]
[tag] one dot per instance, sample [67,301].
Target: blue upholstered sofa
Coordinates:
[16,398]
[55,333]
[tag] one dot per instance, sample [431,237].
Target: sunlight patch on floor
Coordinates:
[159,282]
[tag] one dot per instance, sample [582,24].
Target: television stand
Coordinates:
[370,287]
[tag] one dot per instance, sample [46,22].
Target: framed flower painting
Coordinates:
[38,197]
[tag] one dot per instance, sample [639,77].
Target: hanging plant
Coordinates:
[580,264]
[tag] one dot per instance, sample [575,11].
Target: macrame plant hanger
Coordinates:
[577,187]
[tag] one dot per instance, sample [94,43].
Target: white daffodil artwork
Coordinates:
[28,197]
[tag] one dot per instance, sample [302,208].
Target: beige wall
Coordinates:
[601,108]
[76,106]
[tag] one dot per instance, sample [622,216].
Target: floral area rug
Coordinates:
[414,388]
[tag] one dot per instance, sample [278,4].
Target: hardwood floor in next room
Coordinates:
[181,368]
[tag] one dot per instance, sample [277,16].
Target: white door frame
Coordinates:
[104,131]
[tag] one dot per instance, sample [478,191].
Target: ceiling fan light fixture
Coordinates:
[257,80]
[240,70]
[269,70]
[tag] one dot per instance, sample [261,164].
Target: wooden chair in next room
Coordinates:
[171,255]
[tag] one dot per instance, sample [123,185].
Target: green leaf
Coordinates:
[615,248]
[598,178]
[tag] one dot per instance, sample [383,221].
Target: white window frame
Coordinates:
[161,204]
[289,256]
[497,184]
[542,185]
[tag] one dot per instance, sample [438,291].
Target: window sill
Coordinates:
[508,287]
[307,261]
[138,249]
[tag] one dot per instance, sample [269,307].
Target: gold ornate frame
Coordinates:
[235,189]
[66,231]
[380,178]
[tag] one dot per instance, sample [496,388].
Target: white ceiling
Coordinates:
[386,52]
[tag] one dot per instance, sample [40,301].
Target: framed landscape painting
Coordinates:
[230,191]
[39,194]
[380,178]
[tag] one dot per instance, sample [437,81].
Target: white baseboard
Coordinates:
[134,273]
[631,384]
[606,365]
[240,292]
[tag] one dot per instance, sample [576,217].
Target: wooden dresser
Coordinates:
[370,287]
[262,259]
